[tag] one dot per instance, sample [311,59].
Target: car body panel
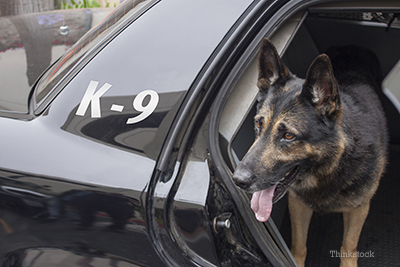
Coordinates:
[67,173]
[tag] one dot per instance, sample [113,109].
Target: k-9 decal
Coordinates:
[92,98]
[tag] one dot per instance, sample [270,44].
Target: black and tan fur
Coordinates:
[326,134]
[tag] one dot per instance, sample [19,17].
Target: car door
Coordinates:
[222,129]
[77,179]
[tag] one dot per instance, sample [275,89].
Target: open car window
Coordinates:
[307,33]
[299,41]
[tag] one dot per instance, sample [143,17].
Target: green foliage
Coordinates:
[71,4]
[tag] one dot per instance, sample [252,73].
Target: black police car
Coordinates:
[121,153]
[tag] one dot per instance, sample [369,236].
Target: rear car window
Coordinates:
[90,43]
[31,42]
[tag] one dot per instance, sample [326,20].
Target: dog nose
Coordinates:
[242,178]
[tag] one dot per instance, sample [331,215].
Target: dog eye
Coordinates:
[289,136]
[257,126]
[257,123]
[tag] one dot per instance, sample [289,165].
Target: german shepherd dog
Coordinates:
[322,139]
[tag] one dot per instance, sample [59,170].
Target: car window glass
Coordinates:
[92,39]
[32,40]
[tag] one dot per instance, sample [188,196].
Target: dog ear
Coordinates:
[270,66]
[321,87]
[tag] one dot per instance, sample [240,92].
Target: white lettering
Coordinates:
[93,99]
[350,254]
[146,110]
[117,108]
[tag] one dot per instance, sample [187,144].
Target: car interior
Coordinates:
[299,41]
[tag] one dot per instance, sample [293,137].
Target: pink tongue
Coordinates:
[261,203]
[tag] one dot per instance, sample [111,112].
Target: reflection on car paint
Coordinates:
[88,215]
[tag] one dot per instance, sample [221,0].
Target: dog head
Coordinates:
[295,122]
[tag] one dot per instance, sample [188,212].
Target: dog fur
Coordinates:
[323,139]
